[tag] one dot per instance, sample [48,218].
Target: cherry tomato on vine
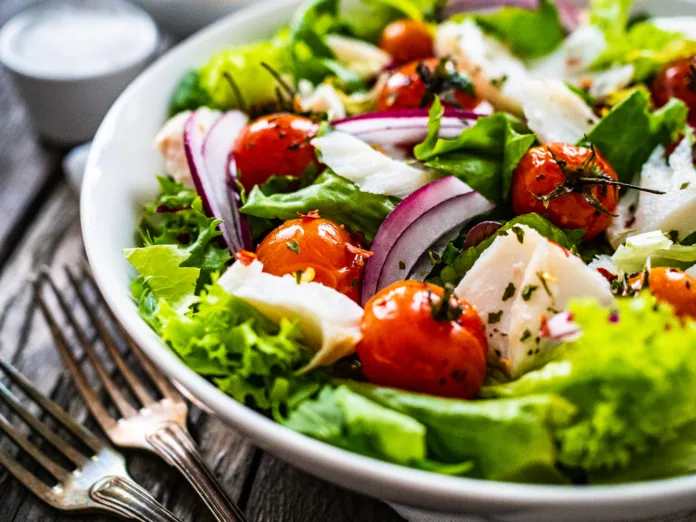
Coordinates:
[412,84]
[677,80]
[315,249]
[418,337]
[274,145]
[675,287]
[407,40]
[573,187]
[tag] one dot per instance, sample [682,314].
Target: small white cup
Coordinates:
[71,59]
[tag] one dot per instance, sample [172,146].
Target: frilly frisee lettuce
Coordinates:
[334,197]
[483,156]
[630,376]
[231,342]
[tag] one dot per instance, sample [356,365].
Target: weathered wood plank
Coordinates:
[283,493]
[54,240]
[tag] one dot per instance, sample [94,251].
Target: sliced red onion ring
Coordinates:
[561,328]
[404,126]
[480,232]
[416,223]
[207,144]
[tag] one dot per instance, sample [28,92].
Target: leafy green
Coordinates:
[508,439]
[243,64]
[656,247]
[630,375]
[161,270]
[630,132]
[176,217]
[639,43]
[483,156]
[415,9]
[233,343]
[529,33]
[568,239]
[189,95]
[334,197]
[672,458]
[348,420]
[312,58]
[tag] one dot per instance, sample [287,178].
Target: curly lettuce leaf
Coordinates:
[630,132]
[231,342]
[611,16]
[630,375]
[483,156]
[529,33]
[334,197]
[189,94]
[507,439]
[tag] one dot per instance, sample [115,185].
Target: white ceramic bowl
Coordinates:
[120,177]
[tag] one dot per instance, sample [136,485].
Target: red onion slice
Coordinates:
[208,146]
[414,225]
[404,126]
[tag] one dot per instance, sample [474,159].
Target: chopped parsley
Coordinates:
[402,265]
[494,317]
[298,276]
[685,185]
[519,232]
[294,246]
[525,335]
[544,283]
[528,290]
[509,291]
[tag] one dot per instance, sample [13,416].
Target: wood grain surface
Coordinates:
[39,226]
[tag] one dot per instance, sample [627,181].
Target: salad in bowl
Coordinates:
[459,241]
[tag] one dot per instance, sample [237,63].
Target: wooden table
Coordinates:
[39,225]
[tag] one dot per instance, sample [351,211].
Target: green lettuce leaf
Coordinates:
[243,64]
[483,156]
[348,420]
[161,270]
[230,341]
[508,439]
[529,33]
[334,197]
[630,375]
[189,95]
[611,16]
[656,247]
[630,132]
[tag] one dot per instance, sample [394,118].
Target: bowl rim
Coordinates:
[367,475]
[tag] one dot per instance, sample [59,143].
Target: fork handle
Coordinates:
[129,500]
[177,447]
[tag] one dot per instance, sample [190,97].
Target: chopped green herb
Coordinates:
[519,232]
[527,292]
[434,257]
[298,276]
[509,292]
[294,246]
[525,335]
[354,283]
[402,265]
[544,283]
[494,317]
[684,185]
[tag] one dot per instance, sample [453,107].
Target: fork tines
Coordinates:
[135,385]
[57,471]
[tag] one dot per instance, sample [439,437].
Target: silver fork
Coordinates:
[99,482]
[156,425]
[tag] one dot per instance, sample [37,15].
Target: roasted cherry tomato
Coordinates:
[571,186]
[319,249]
[415,340]
[675,287]
[677,80]
[407,40]
[406,88]
[274,145]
